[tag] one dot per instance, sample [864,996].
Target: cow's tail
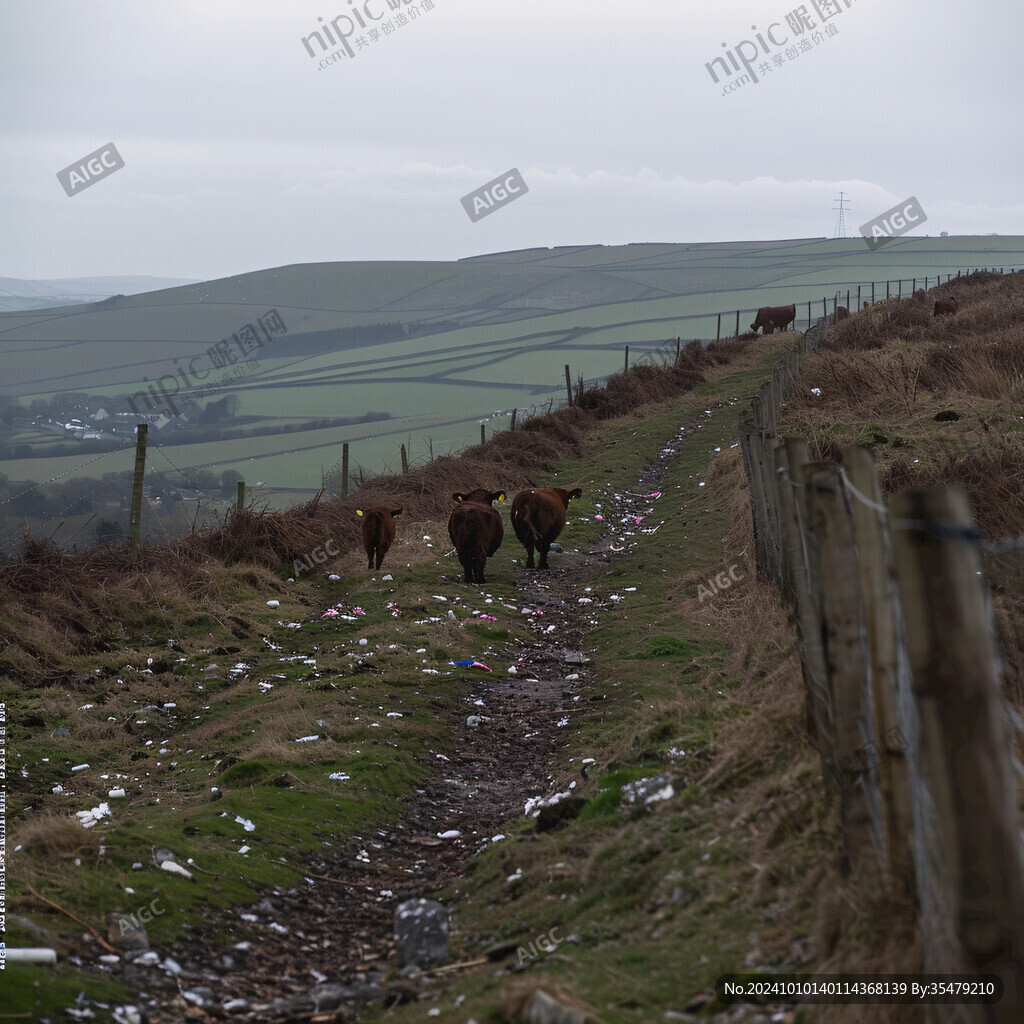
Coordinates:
[528,520]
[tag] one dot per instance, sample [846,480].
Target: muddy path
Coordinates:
[321,949]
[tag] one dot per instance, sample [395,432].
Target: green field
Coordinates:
[510,322]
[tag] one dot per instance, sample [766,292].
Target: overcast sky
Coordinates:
[241,152]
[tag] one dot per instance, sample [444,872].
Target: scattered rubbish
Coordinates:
[245,823]
[334,577]
[90,817]
[175,869]
[471,663]
[452,833]
[339,776]
[79,767]
[388,577]
[307,739]
[273,604]
[115,793]
[474,721]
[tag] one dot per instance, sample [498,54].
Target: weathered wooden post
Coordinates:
[890,669]
[737,334]
[240,495]
[818,708]
[568,384]
[965,747]
[512,425]
[718,331]
[626,368]
[834,555]
[405,459]
[483,433]
[135,521]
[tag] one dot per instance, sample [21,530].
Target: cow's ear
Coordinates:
[576,492]
[458,496]
[359,511]
[395,512]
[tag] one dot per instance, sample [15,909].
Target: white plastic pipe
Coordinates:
[32,956]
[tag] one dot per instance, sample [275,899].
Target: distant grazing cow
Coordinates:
[476,530]
[943,306]
[378,532]
[841,313]
[774,317]
[538,517]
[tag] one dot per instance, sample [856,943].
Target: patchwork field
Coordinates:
[438,346]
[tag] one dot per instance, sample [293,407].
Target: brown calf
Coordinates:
[476,530]
[378,532]
[841,313]
[538,517]
[945,306]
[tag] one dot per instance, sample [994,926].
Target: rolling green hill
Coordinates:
[439,346]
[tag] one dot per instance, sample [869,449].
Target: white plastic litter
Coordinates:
[175,869]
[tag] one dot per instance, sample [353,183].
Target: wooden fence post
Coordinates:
[405,460]
[344,469]
[512,425]
[833,557]
[568,384]
[483,433]
[965,743]
[626,369]
[818,708]
[737,324]
[135,522]
[718,331]
[890,669]
[240,496]
[752,449]
[676,363]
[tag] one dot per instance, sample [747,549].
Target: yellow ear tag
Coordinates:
[359,511]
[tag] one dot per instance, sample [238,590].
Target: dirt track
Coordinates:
[340,923]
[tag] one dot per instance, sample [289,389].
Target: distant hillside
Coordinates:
[439,346]
[16,294]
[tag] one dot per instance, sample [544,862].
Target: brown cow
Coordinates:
[476,530]
[378,531]
[841,313]
[945,306]
[538,517]
[772,317]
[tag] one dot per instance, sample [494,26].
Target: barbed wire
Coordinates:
[45,483]
[181,473]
